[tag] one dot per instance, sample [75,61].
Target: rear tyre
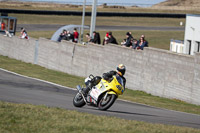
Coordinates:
[105,104]
[78,100]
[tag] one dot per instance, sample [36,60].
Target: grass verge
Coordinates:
[109,21]
[24,118]
[71,81]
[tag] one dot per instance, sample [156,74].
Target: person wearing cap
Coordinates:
[111,39]
[128,40]
[105,39]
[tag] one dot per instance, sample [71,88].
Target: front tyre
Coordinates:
[105,104]
[78,100]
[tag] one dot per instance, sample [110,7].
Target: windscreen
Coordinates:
[120,80]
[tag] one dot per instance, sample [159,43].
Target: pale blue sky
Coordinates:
[112,2]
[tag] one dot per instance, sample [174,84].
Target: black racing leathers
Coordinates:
[109,75]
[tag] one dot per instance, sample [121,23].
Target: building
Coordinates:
[192,34]
[8,24]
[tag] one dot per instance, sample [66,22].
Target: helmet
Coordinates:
[121,69]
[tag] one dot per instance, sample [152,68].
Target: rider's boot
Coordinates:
[90,84]
[87,89]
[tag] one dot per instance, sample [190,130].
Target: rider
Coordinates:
[120,71]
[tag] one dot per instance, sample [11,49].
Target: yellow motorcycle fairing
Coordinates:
[115,86]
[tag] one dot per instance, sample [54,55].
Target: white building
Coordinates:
[192,34]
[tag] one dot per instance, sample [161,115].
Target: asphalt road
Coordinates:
[18,89]
[54,27]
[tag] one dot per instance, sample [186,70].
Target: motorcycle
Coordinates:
[102,95]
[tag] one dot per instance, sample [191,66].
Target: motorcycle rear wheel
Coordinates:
[78,100]
[105,104]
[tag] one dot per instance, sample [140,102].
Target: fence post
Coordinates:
[36,52]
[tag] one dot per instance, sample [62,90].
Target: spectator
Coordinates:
[134,43]
[140,44]
[63,36]
[128,39]
[3,26]
[97,39]
[123,42]
[145,41]
[23,34]
[88,38]
[76,35]
[105,38]
[130,34]
[69,36]
[111,39]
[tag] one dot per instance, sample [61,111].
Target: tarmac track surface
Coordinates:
[20,89]
[54,27]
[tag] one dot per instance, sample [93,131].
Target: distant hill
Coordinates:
[180,3]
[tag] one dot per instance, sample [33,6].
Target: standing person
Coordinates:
[76,35]
[23,34]
[111,39]
[3,26]
[97,39]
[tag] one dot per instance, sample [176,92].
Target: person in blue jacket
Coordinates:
[140,44]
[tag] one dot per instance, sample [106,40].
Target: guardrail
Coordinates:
[106,14]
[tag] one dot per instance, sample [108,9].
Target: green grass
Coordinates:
[71,81]
[156,39]
[117,21]
[40,72]
[24,118]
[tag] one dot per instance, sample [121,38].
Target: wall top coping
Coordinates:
[111,45]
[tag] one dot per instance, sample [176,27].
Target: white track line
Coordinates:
[37,79]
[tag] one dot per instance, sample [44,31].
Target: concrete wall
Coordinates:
[159,72]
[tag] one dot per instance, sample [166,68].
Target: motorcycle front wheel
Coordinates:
[105,104]
[78,100]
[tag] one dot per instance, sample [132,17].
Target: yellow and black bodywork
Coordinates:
[115,86]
